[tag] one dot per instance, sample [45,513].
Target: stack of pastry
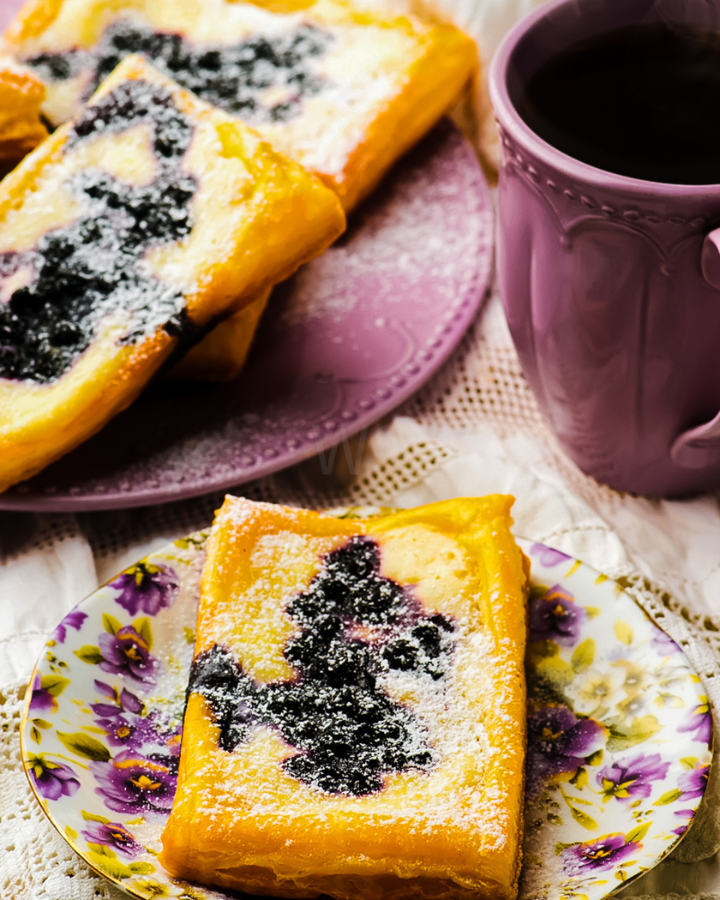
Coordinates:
[341,92]
[355,723]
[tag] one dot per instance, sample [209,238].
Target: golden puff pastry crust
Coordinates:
[343,90]
[221,355]
[21,129]
[356,715]
[128,230]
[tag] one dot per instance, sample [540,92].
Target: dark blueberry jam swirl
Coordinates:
[231,77]
[80,273]
[347,729]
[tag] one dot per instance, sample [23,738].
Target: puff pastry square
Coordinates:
[135,227]
[21,130]
[343,90]
[356,715]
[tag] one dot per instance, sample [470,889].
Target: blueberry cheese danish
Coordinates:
[343,90]
[355,722]
[136,226]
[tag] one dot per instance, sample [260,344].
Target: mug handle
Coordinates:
[710,258]
[698,447]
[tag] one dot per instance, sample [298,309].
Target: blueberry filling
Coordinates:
[348,730]
[232,77]
[81,272]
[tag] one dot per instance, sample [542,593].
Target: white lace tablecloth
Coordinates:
[474,429]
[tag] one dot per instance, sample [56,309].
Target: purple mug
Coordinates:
[611,284]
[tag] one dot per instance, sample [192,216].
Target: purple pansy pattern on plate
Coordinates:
[619,734]
[103,722]
[618,727]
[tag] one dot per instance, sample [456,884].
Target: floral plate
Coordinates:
[618,749]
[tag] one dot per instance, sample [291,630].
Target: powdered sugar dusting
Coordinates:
[271,549]
[421,232]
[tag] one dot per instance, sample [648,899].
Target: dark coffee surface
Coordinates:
[642,101]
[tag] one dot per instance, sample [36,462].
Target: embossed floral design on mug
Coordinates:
[610,280]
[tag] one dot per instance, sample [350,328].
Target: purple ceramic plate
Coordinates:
[343,342]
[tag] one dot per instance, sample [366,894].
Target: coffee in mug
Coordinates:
[641,101]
